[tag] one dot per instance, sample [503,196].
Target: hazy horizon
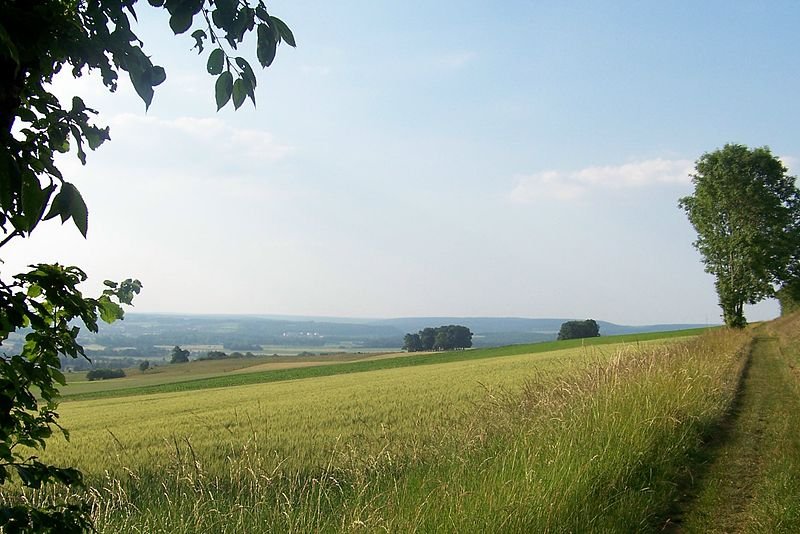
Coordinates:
[332,318]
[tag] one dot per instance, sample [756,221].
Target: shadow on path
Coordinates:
[720,476]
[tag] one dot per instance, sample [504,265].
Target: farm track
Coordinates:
[720,496]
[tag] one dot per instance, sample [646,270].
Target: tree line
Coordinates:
[104,374]
[448,337]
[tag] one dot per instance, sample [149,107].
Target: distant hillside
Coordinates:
[152,335]
[139,333]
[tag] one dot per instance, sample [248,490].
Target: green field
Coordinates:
[593,436]
[163,374]
[215,374]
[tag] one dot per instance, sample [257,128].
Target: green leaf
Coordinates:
[57,375]
[26,114]
[128,289]
[199,36]
[34,202]
[181,21]
[57,207]
[247,71]
[267,45]
[96,136]
[79,212]
[144,88]
[63,147]
[248,77]
[110,311]
[216,62]
[224,13]
[34,290]
[239,92]
[283,30]
[223,89]
[158,75]
[76,133]
[78,104]
[69,203]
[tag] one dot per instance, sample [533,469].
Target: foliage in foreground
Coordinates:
[789,297]
[47,301]
[595,448]
[37,40]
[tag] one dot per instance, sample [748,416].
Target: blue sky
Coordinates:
[435,158]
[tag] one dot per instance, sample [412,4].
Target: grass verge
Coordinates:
[751,482]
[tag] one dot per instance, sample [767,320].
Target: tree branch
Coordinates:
[9,237]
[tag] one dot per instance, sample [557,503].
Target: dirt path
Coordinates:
[721,497]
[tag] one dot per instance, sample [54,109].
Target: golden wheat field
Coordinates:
[302,422]
[589,439]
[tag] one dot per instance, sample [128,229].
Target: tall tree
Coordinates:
[461,336]
[38,39]
[745,211]
[412,343]
[427,338]
[443,339]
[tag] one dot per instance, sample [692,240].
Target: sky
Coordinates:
[442,158]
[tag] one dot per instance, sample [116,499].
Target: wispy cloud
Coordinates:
[570,185]
[204,136]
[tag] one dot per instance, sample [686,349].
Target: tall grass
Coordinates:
[596,447]
[602,451]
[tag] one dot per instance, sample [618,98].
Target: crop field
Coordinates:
[302,422]
[574,438]
[518,439]
[226,373]
[77,383]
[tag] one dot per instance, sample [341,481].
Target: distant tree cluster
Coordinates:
[449,337]
[104,374]
[579,329]
[82,364]
[179,355]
